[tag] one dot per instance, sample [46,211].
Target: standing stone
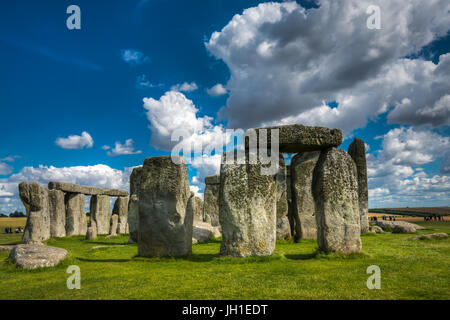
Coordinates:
[357,151]
[133,217]
[302,168]
[248,209]
[133,204]
[75,214]
[165,226]
[289,200]
[135,180]
[211,200]
[35,201]
[121,209]
[195,207]
[100,213]
[283,229]
[113,225]
[57,212]
[91,233]
[335,190]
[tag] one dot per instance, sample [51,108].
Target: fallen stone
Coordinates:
[300,138]
[431,236]
[335,190]
[376,229]
[211,200]
[35,200]
[399,226]
[204,232]
[133,217]
[100,213]
[74,188]
[302,168]
[248,209]
[57,213]
[32,256]
[357,151]
[165,226]
[121,210]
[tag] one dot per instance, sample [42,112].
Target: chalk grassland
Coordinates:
[409,270]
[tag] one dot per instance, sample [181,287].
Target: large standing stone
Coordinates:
[248,209]
[35,201]
[165,226]
[91,233]
[76,223]
[357,151]
[121,209]
[133,204]
[100,213]
[211,200]
[299,138]
[113,225]
[133,217]
[302,169]
[289,200]
[135,180]
[57,211]
[195,206]
[283,229]
[335,190]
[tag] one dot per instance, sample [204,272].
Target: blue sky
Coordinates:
[57,83]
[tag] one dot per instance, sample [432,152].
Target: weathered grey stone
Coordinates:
[211,200]
[300,138]
[357,151]
[335,190]
[35,201]
[248,209]
[204,232]
[133,217]
[302,168]
[283,229]
[32,256]
[121,209]
[431,236]
[91,233]
[100,213]
[289,200]
[195,207]
[399,226]
[135,180]
[113,225]
[74,188]
[76,222]
[57,212]
[376,229]
[165,226]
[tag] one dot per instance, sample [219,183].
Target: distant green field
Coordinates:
[409,270]
[414,212]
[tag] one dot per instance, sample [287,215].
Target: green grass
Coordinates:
[409,270]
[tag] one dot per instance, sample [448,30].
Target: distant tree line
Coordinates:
[15,214]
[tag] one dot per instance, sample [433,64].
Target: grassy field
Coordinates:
[409,270]
[11,222]
[417,212]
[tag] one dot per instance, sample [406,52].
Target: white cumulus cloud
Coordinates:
[185,87]
[76,142]
[123,149]
[217,90]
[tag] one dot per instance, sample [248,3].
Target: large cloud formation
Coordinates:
[99,175]
[287,64]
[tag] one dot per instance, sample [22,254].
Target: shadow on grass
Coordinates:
[305,256]
[110,243]
[104,260]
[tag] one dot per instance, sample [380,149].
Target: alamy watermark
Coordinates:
[374,281]
[73,281]
[74,20]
